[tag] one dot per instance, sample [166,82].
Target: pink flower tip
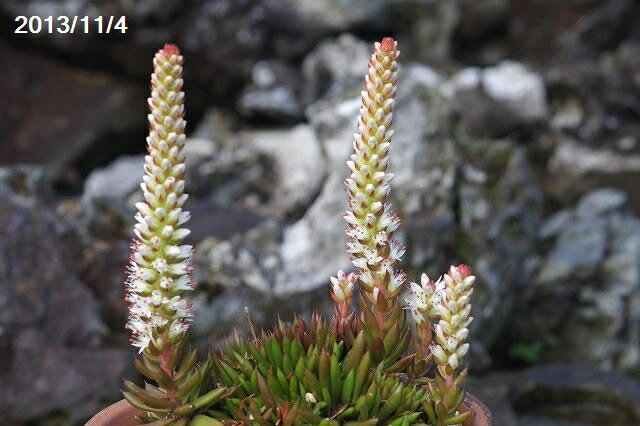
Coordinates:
[464,271]
[388,44]
[170,50]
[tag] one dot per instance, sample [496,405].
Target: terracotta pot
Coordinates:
[122,414]
[481,414]
[119,414]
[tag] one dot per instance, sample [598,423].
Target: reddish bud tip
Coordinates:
[170,50]
[388,44]
[464,271]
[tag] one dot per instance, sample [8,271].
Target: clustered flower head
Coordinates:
[449,299]
[452,329]
[370,219]
[424,299]
[160,268]
[342,288]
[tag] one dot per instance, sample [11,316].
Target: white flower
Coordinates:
[453,361]
[342,286]
[439,353]
[381,238]
[156,297]
[166,282]
[417,316]
[181,306]
[160,265]
[358,232]
[397,250]
[141,340]
[139,307]
[178,328]
[138,286]
[425,297]
[397,279]
[462,350]
[182,283]
[158,321]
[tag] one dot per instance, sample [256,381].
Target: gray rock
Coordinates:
[555,224]
[517,89]
[575,168]
[246,271]
[334,67]
[477,25]
[304,254]
[69,380]
[589,99]
[427,27]
[559,395]
[584,302]
[278,103]
[250,259]
[51,330]
[55,129]
[232,174]
[601,202]
[424,163]
[578,252]
[259,259]
[227,36]
[117,180]
[313,248]
[494,101]
[499,217]
[26,184]
[337,15]
[545,33]
[299,164]
[273,94]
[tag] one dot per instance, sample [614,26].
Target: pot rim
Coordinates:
[123,414]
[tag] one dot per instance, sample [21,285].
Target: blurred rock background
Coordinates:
[517,151]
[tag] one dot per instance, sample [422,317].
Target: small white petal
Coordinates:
[439,353]
[180,234]
[453,361]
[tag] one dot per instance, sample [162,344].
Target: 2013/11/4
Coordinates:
[68,25]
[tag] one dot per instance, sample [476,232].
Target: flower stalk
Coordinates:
[342,287]
[448,299]
[160,265]
[370,220]
[452,329]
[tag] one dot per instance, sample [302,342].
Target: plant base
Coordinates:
[123,414]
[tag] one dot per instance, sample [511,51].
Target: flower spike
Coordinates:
[160,266]
[370,220]
[452,329]
[342,288]
[450,347]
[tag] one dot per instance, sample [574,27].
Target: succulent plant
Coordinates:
[355,368]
